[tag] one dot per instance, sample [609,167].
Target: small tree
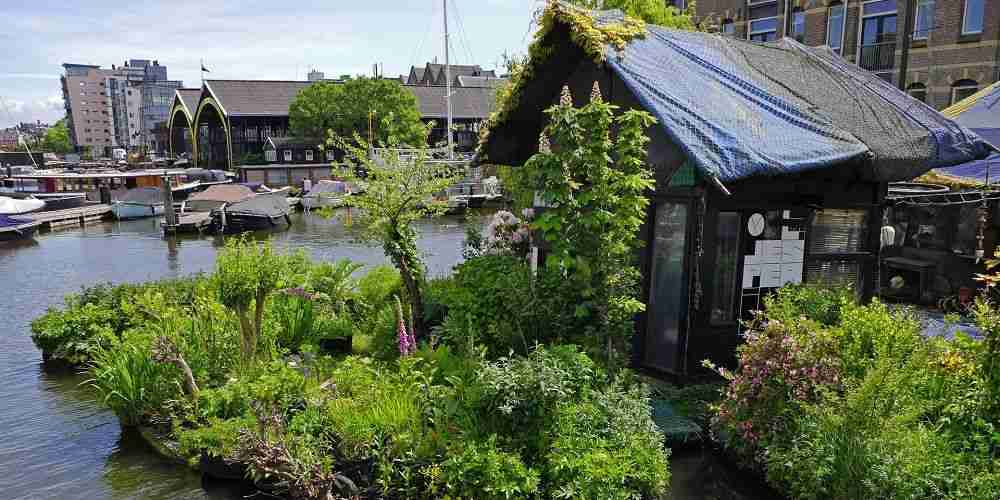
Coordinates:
[344,109]
[245,274]
[57,138]
[595,185]
[398,191]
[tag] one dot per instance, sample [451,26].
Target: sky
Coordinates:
[243,39]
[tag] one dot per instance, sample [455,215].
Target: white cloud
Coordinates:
[13,111]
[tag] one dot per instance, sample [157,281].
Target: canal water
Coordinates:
[58,441]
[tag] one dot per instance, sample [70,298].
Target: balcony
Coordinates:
[878,57]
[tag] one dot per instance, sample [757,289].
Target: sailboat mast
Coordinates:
[447,76]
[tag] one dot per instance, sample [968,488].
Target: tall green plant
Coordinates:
[246,273]
[398,191]
[595,183]
[127,378]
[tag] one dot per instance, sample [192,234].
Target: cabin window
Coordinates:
[667,302]
[837,246]
[972,17]
[271,156]
[309,155]
[288,155]
[727,248]
[963,89]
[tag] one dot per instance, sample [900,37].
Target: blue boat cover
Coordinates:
[8,221]
[982,116]
[741,109]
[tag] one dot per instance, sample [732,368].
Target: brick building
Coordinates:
[954,44]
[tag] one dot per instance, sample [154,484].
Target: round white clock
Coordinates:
[756,224]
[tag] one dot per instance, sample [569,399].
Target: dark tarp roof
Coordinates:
[255,97]
[740,109]
[466,102]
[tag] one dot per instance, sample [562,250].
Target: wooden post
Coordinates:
[168,203]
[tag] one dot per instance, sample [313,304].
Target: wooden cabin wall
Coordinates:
[805,194]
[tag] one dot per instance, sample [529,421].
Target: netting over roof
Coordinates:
[262,204]
[229,193]
[979,112]
[326,186]
[740,109]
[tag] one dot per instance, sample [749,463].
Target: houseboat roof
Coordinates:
[102,174]
[980,112]
[737,108]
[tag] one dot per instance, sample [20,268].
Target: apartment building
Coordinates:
[953,46]
[88,107]
[122,107]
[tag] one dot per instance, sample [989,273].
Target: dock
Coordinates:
[79,216]
[193,222]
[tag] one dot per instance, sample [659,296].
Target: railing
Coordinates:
[878,57]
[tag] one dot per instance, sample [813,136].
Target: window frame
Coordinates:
[923,34]
[727,23]
[271,156]
[309,155]
[287,155]
[735,290]
[843,26]
[965,17]
[955,87]
[917,88]
[751,32]
[797,11]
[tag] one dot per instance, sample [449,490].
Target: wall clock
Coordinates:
[755,226]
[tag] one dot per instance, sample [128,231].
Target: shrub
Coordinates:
[482,470]
[815,303]
[217,438]
[607,446]
[495,292]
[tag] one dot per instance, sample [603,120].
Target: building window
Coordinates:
[837,247]
[763,20]
[797,30]
[877,51]
[924,19]
[727,236]
[271,155]
[728,27]
[288,155]
[764,30]
[331,156]
[82,84]
[972,17]
[962,89]
[917,91]
[835,27]
[309,155]
[680,4]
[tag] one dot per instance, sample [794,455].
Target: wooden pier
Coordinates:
[79,216]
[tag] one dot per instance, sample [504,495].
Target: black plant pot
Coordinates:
[220,468]
[341,345]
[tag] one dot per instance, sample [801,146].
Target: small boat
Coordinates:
[17,203]
[327,194]
[138,203]
[62,201]
[198,213]
[261,211]
[16,228]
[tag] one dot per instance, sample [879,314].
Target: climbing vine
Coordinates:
[593,184]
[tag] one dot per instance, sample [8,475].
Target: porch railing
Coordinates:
[878,57]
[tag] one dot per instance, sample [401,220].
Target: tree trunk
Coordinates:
[416,302]
[258,319]
[190,386]
[246,333]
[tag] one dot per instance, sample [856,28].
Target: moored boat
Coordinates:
[138,203]
[327,194]
[261,211]
[16,203]
[17,228]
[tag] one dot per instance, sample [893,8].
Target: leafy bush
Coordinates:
[218,438]
[836,400]
[481,470]
[493,291]
[607,446]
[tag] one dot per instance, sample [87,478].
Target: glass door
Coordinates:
[664,346]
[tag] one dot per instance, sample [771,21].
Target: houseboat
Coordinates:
[138,203]
[771,161]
